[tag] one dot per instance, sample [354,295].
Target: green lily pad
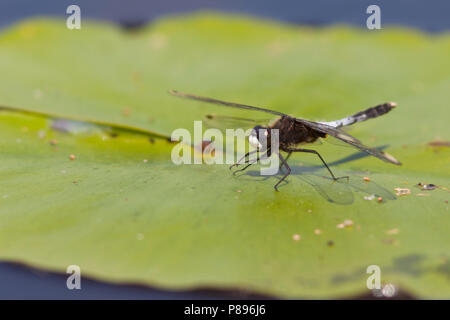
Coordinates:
[124,219]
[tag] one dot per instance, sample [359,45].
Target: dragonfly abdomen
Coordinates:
[367,114]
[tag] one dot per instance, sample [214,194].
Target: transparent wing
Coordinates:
[343,136]
[227,122]
[223,103]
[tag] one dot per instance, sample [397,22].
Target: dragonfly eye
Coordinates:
[254,137]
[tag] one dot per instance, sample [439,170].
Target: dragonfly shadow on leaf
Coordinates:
[338,192]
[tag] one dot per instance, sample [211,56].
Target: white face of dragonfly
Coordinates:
[254,137]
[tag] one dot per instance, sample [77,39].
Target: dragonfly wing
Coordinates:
[223,103]
[343,136]
[227,122]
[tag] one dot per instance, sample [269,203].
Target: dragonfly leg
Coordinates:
[320,157]
[242,169]
[283,162]
[248,163]
[245,156]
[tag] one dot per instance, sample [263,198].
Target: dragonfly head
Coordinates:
[258,137]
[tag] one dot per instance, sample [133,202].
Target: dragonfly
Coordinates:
[294,132]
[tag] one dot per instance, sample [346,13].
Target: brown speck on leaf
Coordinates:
[317,231]
[309,211]
[206,147]
[367,179]
[152,141]
[446,201]
[439,143]
[53,142]
[330,243]
[380,199]
[72,157]
[389,241]
[126,111]
[238,191]
[136,76]
[402,191]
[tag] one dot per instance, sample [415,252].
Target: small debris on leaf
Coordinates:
[366,179]
[348,223]
[392,231]
[53,142]
[37,94]
[145,160]
[330,243]
[428,186]
[380,199]
[371,197]
[72,157]
[317,231]
[402,191]
[41,134]
[296,237]
[340,226]
[140,236]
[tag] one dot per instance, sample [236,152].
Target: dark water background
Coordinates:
[20,282]
[431,15]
